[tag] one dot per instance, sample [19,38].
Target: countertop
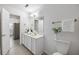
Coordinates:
[34,36]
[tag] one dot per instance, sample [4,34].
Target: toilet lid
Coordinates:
[57,53]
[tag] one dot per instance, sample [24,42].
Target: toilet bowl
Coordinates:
[62,47]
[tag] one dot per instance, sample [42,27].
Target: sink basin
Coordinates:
[33,35]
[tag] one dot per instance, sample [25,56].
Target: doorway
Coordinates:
[15,47]
[14,30]
[9,44]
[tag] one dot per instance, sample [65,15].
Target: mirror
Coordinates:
[36,23]
[38,26]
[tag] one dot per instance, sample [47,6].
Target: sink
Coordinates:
[33,35]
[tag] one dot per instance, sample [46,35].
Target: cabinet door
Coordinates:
[33,46]
[22,39]
[37,46]
[28,42]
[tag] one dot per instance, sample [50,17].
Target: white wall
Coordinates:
[59,12]
[15,11]
[0,33]
[14,19]
[73,37]
[40,26]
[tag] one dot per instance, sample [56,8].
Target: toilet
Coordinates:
[62,47]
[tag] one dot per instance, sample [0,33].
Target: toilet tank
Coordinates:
[62,46]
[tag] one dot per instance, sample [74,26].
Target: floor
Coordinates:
[17,49]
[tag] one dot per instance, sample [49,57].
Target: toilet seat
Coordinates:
[57,53]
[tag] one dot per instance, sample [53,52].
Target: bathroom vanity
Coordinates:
[34,43]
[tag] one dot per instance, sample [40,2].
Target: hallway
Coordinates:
[17,49]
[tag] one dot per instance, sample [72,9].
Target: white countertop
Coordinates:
[34,36]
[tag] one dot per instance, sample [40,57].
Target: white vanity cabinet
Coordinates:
[28,42]
[37,46]
[34,44]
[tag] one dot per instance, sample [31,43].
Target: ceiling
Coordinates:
[30,8]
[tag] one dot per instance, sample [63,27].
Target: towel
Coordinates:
[68,25]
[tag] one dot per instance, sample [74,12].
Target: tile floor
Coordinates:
[17,49]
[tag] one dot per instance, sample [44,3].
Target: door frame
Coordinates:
[19,25]
[1,30]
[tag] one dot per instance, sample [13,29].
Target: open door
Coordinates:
[5,35]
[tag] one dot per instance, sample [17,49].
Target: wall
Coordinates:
[40,26]
[13,19]
[73,37]
[0,33]
[24,23]
[12,10]
[16,11]
[59,12]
